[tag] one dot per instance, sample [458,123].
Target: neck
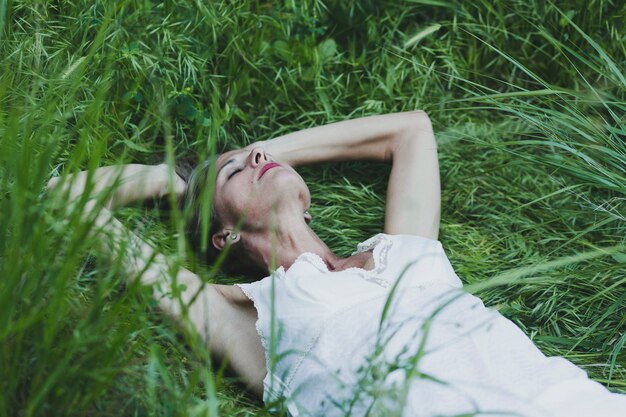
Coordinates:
[285,242]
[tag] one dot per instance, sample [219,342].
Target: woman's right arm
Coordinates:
[215,311]
[404,139]
[121,184]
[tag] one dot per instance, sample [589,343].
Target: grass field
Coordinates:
[527,99]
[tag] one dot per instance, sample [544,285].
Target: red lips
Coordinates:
[266,168]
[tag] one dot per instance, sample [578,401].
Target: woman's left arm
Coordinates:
[414,191]
[404,139]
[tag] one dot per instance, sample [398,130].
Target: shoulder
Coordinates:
[399,255]
[233,294]
[383,240]
[408,246]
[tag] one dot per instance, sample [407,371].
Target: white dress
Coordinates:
[404,339]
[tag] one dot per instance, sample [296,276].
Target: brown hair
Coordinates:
[197,193]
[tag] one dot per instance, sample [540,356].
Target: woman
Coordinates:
[386,331]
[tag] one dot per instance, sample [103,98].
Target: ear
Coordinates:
[224,237]
[307,217]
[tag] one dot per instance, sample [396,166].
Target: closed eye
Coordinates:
[232,174]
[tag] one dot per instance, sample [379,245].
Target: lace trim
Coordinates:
[380,243]
[270,379]
[279,273]
[314,260]
[370,243]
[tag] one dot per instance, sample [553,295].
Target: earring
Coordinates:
[234,236]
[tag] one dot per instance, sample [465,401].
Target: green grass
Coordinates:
[527,99]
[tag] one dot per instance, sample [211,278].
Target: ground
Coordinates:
[526,99]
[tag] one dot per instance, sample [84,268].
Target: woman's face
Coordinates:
[250,185]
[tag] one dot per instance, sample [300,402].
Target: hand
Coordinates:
[275,150]
[179,185]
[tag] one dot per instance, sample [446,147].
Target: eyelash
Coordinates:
[233,173]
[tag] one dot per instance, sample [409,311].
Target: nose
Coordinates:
[257,156]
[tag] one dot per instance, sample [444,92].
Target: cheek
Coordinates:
[229,204]
[256,201]
[220,208]
[247,199]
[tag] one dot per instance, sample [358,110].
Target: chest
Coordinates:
[361,260]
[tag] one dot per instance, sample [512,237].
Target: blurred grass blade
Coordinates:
[422,34]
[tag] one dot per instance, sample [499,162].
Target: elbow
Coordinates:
[419,125]
[416,133]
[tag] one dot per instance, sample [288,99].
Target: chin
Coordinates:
[287,185]
[276,198]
